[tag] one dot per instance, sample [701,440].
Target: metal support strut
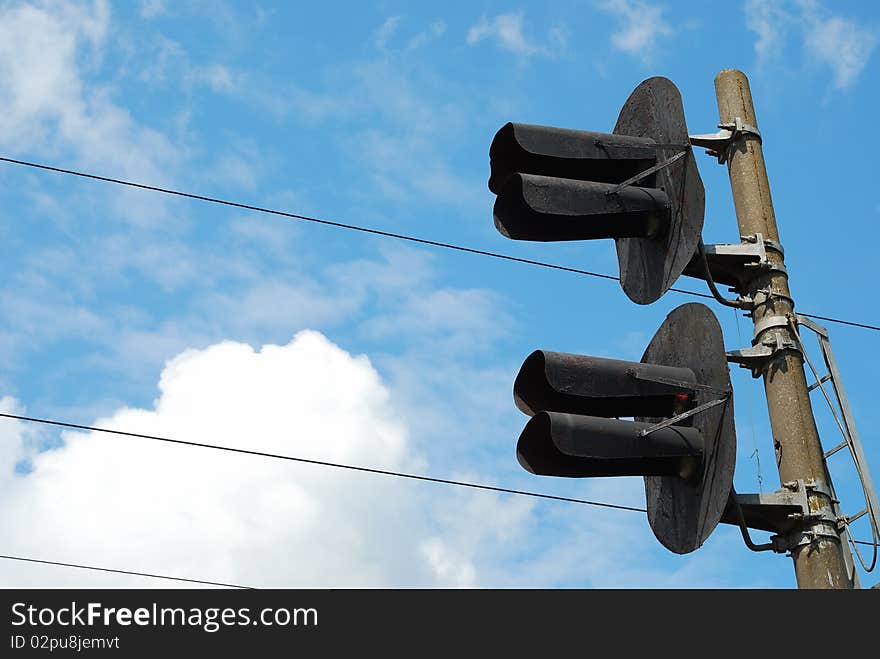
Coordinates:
[846,424]
[718,144]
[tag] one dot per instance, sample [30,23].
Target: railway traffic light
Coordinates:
[682,438]
[638,185]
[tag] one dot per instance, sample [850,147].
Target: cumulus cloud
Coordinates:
[136,504]
[641,25]
[842,44]
[128,503]
[507,31]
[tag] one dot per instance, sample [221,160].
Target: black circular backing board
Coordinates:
[682,515]
[649,266]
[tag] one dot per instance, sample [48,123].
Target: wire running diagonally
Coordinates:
[323,463]
[378,232]
[370,470]
[115,571]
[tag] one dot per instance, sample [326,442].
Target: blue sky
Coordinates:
[150,313]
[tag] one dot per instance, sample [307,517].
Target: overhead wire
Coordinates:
[130,572]
[379,232]
[324,463]
[372,231]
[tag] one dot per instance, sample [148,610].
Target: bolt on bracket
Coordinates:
[736,264]
[759,356]
[764,296]
[719,144]
[784,513]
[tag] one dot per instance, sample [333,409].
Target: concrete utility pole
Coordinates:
[816,546]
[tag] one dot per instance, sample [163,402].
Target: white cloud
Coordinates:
[434,31]
[136,504]
[46,51]
[641,26]
[386,31]
[842,44]
[770,23]
[507,31]
[456,319]
[144,505]
[217,77]
[237,169]
[165,54]
[389,112]
[152,8]
[398,146]
[389,29]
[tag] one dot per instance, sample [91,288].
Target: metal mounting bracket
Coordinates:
[768,244]
[718,144]
[764,296]
[736,264]
[759,356]
[769,322]
[782,512]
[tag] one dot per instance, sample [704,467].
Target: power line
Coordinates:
[381,472]
[306,218]
[370,470]
[841,322]
[378,232]
[137,574]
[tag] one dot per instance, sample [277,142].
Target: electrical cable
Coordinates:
[397,236]
[381,472]
[137,574]
[840,322]
[701,250]
[756,453]
[744,529]
[378,232]
[323,463]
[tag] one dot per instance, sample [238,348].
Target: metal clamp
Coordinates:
[719,144]
[816,533]
[736,264]
[774,245]
[763,262]
[769,267]
[822,522]
[807,488]
[764,296]
[788,513]
[759,356]
[769,322]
